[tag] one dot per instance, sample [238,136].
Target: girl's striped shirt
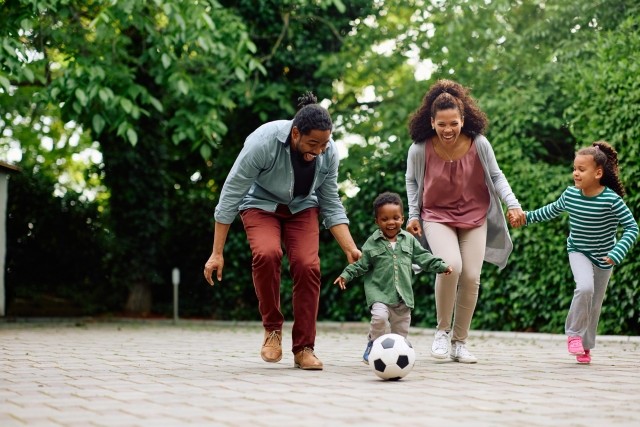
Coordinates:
[593,224]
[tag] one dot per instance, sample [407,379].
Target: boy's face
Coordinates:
[389,220]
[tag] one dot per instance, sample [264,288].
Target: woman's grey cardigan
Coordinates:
[499,244]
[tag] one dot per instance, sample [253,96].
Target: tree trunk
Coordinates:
[139,300]
[136,178]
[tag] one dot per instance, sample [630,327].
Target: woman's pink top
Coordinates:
[455,192]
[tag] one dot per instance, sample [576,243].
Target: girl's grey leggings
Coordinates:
[584,313]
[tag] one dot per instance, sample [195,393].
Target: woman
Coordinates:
[454,187]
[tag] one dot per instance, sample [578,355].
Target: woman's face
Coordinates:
[448,125]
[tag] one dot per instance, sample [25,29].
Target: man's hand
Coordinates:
[214,263]
[354,255]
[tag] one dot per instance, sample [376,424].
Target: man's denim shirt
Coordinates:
[262,177]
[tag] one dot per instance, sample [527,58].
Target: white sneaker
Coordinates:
[459,353]
[441,346]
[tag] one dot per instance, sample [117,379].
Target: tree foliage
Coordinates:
[158,84]
[552,76]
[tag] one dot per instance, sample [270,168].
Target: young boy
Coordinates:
[386,263]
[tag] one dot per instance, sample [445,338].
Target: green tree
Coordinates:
[159,84]
[534,68]
[144,77]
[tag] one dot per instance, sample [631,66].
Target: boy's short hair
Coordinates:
[386,198]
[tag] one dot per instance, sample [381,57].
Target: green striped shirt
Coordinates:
[593,224]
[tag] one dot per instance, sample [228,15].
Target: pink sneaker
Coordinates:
[584,358]
[575,345]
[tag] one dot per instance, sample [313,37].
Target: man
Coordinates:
[283,179]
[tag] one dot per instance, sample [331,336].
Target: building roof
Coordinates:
[8,168]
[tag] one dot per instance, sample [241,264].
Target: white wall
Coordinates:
[4,186]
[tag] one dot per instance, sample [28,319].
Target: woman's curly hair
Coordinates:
[444,95]
[605,157]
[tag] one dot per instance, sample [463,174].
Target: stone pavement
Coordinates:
[128,373]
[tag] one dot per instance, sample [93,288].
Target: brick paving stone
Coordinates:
[81,372]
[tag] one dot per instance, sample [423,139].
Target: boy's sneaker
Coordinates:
[575,345]
[584,358]
[365,356]
[459,353]
[441,346]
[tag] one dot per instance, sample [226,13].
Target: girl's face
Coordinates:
[586,174]
[448,125]
[389,220]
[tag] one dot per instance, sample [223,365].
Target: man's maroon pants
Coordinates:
[267,232]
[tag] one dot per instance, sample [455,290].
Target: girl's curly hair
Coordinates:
[605,157]
[444,95]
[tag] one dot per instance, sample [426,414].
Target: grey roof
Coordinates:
[8,167]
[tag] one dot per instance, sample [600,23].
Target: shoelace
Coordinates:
[461,351]
[308,350]
[441,341]
[272,340]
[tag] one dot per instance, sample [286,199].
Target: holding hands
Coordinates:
[517,217]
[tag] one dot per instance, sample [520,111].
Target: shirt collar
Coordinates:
[284,132]
[379,236]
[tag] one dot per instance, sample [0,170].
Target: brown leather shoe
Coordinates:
[306,359]
[272,346]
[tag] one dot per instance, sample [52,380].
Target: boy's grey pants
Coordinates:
[584,313]
[397,316]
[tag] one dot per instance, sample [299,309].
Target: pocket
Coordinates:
[377,252]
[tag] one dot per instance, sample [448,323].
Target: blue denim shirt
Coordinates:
[262,178]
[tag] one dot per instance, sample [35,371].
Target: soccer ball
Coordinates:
[392,357]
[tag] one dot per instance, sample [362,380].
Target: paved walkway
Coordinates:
[210,374]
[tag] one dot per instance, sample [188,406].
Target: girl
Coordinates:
[595,208]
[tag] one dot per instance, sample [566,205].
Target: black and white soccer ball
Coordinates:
[392,357]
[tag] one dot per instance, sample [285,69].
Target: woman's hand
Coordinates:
[517,217]
[413,227]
